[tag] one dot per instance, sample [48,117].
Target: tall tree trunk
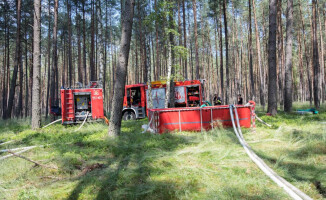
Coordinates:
[315,60]
[288,58]
[307,55]
[182,72]
[49,63]
[30,84]
[127,13]
[221,57]
[5,83]
[17,63]
[322,60]
[70,71]
[261,76]
[157,61]
[226,53]
[80,62]
[184,36]
[84,46]
[196,38]
[216,54]
[324,66]
[21,83]
[101,41]
[92,55]
[169,99]
[36,109]
[54,67]
[26,71]
[105,57]
[272,85]
[301,81]
[252,86]
[280,52]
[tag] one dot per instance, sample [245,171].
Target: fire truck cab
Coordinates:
[187,94]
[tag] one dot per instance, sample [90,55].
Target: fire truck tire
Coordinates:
[129,115]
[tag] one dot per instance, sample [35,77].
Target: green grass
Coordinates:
[209,165]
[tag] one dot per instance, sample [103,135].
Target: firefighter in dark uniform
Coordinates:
[217,100]
[240,100]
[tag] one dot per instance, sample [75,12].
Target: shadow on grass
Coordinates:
[295,171]
[129,166]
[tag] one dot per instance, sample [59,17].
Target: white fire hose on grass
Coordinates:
[294,192]
[51,123]
[83,122]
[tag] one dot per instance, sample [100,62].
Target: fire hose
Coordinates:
[52,123]
[83,122]
[294,192]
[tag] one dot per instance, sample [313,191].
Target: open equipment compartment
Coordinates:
[83,104]
[193,96]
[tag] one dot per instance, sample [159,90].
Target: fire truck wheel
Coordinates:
[129,115]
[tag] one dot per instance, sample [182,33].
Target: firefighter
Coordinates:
[217,100]
[240,100]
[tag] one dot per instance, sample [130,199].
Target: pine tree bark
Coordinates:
[84,46]
[252,86]
[288,58]
[105,57]
[196,38]
[262,82]
[279,70]
[315,60]
[272,84]
[169,99]
[322,60]
[226,53]
[307,56]
[5,90]
[127,14]
[70,71]
[216,53]
[157,61]
[302,81]
[30,83]
[92,56]
[80,62]
[54,67]
[36,109]
[101,41]
[26,72]
[17,63]
[221,56]
[49,63]
[184,36]
[324,66]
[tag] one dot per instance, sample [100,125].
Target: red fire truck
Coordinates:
[187,94]
[81,102]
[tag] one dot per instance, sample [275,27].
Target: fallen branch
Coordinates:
[263,121]
[36,163]
[91,168]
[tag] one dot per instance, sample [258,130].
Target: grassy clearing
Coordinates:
[210,165]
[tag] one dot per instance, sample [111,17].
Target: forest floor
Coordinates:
[208,165]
